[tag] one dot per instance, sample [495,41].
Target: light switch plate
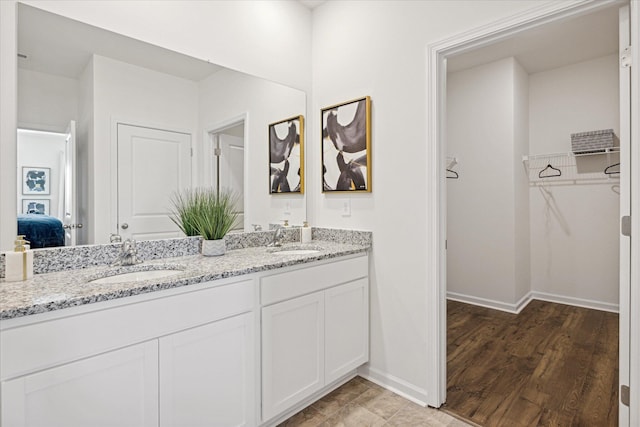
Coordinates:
[346,207]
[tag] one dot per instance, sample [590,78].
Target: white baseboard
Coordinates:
[394,384]
[578,302]
[493,304]
[542,296]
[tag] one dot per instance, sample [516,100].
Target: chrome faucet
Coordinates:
[277,238]
[128,254]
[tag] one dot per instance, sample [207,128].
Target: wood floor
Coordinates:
[550,365]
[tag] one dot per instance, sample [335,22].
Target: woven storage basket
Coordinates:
[593,141]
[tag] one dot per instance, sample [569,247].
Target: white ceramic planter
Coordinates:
[213,247]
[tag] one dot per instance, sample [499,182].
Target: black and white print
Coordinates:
[286,156]
[346,146]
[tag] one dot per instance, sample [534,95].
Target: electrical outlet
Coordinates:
[346,207]
[287,208]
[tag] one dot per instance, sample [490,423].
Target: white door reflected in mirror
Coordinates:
[152,165]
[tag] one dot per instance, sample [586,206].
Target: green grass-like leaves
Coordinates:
[204,212]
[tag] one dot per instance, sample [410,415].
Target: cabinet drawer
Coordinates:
[46,344]
[283,286]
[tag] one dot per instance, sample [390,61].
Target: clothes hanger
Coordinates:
[608,172]
[455,174]
[556,172]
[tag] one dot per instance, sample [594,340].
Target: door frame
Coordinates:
[113,164]
[207,153]
[436,167]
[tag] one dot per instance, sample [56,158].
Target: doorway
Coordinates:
[47,187]
[226,163]
[438,53]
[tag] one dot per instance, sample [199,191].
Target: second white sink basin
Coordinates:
[136,276]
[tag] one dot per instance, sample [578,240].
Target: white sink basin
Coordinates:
[136,276]
[296,252]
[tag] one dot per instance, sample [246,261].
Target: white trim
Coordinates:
[436,193]
[533,295]
[394,384]
[577,302]
[625,209]
[492,304]
[634,341]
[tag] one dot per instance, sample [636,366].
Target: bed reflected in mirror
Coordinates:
[45,185]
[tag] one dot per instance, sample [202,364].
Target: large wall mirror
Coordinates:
[109,127]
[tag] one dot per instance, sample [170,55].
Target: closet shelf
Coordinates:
[582,168]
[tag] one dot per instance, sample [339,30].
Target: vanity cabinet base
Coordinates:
[312,340]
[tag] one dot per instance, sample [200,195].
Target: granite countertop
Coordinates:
[59,290]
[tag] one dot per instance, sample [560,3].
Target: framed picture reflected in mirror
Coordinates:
[36,181]
[286,156]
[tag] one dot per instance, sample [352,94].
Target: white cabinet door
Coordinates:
[119,388]
[207,375]
[292,352]
[346,328]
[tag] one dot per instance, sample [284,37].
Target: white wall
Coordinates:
[42,150]
[228,95]
[46,102]
[574,228]
[378,48]
[566,238]
[129,94]
[487,207]
[521,183]
[270,39]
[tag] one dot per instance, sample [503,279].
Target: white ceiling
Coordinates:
[61,46]
[551,46]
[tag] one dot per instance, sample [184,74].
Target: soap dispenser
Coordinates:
[19,263]
[305,233]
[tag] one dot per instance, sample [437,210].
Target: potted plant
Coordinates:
[207,213]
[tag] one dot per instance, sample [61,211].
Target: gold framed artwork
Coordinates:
[286,156]
[346,146]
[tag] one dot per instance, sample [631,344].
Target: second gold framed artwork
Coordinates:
[286,156]
[346,146]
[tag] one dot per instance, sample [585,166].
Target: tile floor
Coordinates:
[361,403]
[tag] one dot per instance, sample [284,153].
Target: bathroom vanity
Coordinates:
[245,339]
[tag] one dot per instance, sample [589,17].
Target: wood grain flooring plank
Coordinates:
[552,364]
